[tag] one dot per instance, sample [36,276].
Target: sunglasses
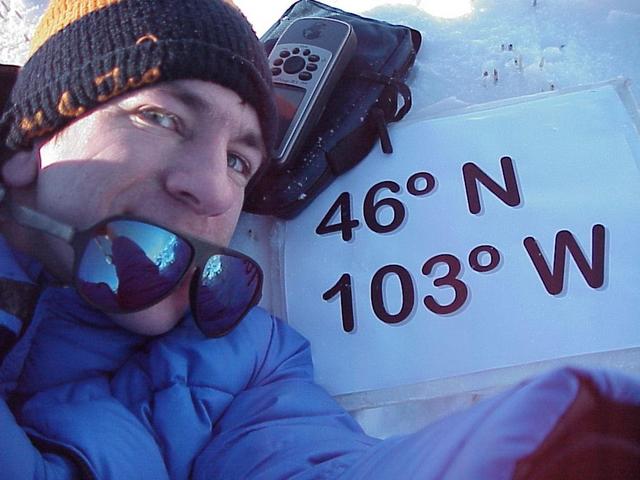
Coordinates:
[123,265]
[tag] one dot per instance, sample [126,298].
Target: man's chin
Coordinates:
[155,320]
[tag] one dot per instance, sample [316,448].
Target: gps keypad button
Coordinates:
[294,64]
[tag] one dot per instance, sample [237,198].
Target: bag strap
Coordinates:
[382,118]
[400,87]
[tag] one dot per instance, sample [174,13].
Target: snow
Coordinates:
[554,45]
[498,49]
[17,21]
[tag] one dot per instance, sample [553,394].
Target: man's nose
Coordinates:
[202,182]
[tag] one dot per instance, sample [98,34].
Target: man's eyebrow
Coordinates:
[187,97]
[196,102]
[252,139]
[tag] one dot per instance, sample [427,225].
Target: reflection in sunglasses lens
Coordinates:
[131,265]
[227,287]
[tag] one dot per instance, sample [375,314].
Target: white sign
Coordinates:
[491,238]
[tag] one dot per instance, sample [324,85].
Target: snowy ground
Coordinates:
[499,49]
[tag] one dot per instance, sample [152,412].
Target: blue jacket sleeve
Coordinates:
[283,425]
[20,459]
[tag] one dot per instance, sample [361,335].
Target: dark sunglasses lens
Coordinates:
[228,287]
[129,265]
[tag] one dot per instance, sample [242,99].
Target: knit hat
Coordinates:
[86,52]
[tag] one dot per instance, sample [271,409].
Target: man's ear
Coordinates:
[21,169]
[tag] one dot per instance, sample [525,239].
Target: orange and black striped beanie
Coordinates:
[85,52]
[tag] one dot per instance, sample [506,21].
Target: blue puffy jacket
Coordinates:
[83,398]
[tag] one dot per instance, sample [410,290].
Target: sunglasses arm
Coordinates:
[27,217]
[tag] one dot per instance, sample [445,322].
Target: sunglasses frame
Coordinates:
[201,251]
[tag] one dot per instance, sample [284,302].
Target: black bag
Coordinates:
[362,105]
[8,75]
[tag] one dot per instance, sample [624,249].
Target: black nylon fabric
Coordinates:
[8,74]
[347,131]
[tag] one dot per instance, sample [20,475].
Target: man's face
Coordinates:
[179,154]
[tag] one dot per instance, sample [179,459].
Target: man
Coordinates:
[133,134]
